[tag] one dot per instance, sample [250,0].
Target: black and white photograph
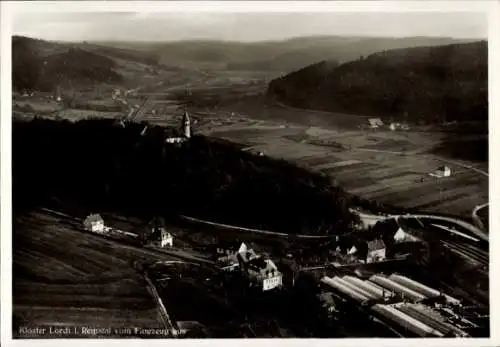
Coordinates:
[219,171]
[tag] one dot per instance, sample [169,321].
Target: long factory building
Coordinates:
[400,302]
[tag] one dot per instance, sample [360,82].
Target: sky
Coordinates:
[134,26]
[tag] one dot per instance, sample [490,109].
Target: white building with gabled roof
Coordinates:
[94,223]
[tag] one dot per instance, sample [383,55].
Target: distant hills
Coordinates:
[359,74]
[425,84]
[278,56]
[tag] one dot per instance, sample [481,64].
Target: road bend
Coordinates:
[370,219]
[479,222]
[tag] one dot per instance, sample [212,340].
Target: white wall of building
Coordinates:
[272,282]
[97,226]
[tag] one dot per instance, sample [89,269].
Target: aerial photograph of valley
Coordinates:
[249,174]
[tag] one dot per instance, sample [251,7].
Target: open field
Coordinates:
[381,165]
[70,278]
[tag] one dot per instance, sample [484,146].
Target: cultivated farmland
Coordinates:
[66,277]
[391,167]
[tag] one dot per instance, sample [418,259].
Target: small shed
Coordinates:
[94,223]
[375,122]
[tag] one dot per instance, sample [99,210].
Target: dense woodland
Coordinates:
[423,84]
[102,165]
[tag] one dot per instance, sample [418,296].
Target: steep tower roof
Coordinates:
[186,122]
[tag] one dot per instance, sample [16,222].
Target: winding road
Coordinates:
[476,218]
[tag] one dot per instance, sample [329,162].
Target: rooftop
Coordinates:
[94,218]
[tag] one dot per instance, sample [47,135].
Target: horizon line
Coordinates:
[193,40]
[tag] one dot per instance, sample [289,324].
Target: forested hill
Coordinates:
[42,65]
[103,166]
[431,84]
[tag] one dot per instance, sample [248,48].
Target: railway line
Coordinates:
[468,251]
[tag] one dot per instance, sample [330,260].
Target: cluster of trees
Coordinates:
[32,70]
[429,84]
[106,166]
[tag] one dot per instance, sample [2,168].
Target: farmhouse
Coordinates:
[375,122]
[94,223]
[442,171]
[376,251]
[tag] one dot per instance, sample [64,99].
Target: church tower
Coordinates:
[187,124]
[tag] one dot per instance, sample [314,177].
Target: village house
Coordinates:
[263,272]
[94,223]
[376,251]
[160,237]
[260,271]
